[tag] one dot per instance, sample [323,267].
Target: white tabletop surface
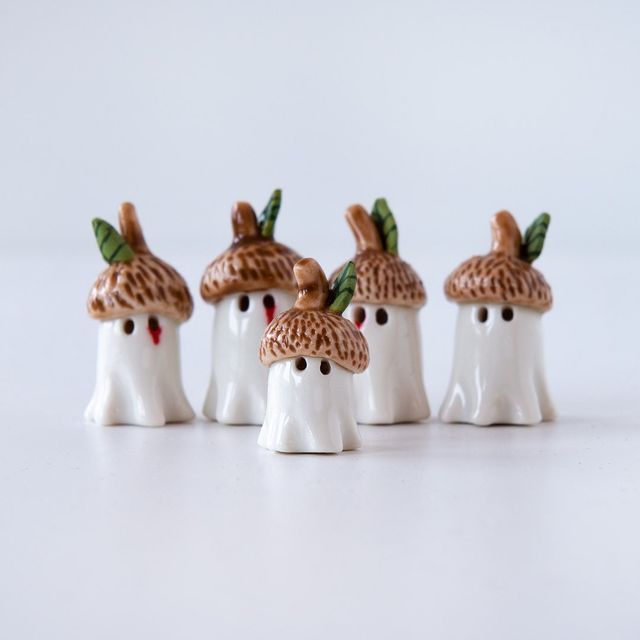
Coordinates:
[429,531]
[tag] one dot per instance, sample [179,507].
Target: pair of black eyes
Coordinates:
[507,314]
[267,301]
[130,325]
[360,315]
[325,366]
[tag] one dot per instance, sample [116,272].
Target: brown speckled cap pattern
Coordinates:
[251,263]
[144,284]
[500,277]
[310,329]
[383,278]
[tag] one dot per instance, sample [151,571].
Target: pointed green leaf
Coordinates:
[534,238]
[343,289]
[111,244]
[267,220]
[386,223]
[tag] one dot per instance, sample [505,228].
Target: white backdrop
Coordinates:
[452,110]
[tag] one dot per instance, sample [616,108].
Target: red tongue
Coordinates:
[270,313]
[358,324]
[155,334]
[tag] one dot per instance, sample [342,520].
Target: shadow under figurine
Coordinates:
[498,372]
[248,285]
[141,302]
[385,307]
[312,353]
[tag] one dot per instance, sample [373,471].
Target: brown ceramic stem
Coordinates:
[244,221]
[130,228]
[505,234]
[363,228]
[312,285]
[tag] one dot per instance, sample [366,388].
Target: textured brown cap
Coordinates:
[251,263]
[501,276]
[383,278]
[144,284]
[310,329]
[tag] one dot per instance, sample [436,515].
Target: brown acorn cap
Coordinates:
[383,277]
[312,329]
[252,262]
[142,284]
[501,276]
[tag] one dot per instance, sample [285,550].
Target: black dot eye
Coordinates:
[268,301]
[483,314]
[129,326]
[507,314]
[382,316]
[243,303]
[359,316]
[153,323]
[301,364]
[325,367]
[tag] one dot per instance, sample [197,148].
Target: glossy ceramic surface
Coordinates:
[498,372]
[309,410]
[383,277]
[136,281]
[138,373]
[312,353]
[391,389]
[385,307]
[237,391]
[505,274]
[314,326]
[254,261]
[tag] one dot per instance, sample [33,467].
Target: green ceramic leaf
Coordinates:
[386,223]
[267,220]
[534,238]
[343,289]
[111,244]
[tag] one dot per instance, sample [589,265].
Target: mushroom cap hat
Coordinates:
[254,261]
[505,274]
[383,277]
[314,326]
[135,281]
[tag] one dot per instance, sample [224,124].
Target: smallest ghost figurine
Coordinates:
[140,302]
[312,353]
[498,372]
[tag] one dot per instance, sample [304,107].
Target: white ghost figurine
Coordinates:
[498,371]
[312,353]
[385,308]
[248,285]
[140,302]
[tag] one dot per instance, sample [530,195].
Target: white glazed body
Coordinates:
[308,412]
[391,389]
[498,369]
[237,391]
[138,382]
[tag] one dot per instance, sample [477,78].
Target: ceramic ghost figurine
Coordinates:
[498,372]
[312,353]
[140,302]
[385,308]
[248,285]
